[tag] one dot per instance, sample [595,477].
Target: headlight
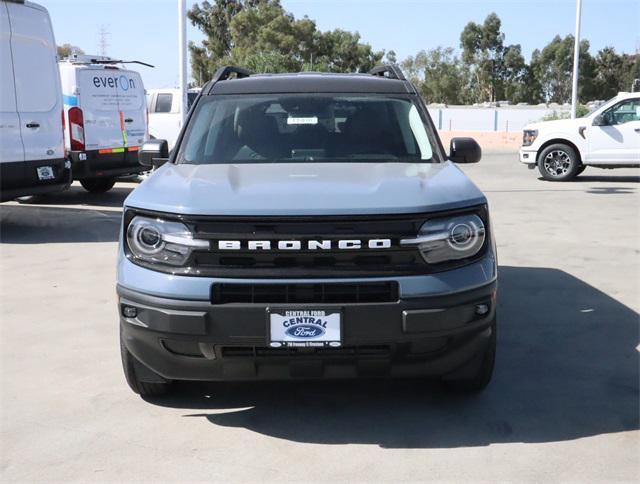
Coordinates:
[450,238]
[529,136]
[161,241]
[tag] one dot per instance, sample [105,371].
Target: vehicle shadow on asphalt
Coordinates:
[567,368]
[31,224]
[76,195]
[600,179]
[606,179]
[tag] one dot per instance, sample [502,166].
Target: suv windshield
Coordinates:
[305,127]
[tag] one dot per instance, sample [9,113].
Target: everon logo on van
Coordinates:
[122,81]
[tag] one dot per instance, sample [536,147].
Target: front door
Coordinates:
[618,142]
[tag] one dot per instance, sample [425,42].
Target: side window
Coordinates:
[623,113]
[163,103]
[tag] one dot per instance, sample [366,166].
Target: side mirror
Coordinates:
[154,153]
[464,150]
[599,120]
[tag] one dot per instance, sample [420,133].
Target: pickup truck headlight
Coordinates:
[529,136]
[161,241]
[450,238]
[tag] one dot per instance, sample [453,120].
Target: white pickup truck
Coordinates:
[165,119]
[608,137]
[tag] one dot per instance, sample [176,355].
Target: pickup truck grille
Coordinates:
[307,263]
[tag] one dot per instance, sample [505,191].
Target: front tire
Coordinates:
[559,162]
[97,185]
[142,388]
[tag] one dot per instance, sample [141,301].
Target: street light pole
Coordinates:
[182,57]
[576,58]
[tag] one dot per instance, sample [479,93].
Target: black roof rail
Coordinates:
[224,72]
[392,71]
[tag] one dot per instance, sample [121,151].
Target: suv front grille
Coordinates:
[322,293]
[305,263]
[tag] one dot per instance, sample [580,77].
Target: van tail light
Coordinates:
[64,126]
[76,129]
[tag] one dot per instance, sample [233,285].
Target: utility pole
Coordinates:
[576,59]
[182,57]
[102,40]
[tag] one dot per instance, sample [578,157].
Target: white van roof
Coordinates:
[98,61]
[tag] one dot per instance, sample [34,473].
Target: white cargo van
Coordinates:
[32,158]
[165,120]
[106,119]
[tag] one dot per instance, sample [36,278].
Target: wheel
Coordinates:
[142,388]
[558,162]
[97,185]
[478,372]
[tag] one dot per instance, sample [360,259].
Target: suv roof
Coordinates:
[383,79]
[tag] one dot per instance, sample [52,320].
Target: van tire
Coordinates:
[142,388]
[480,368]
[559,162]
[97,185]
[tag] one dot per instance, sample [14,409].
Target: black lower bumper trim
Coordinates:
[93,164]
[196,340]
[19,179]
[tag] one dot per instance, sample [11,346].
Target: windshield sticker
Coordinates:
[309,120]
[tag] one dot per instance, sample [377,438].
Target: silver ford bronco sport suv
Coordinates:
[307,225]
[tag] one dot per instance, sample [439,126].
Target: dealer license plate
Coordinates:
[45,173]
[305,328]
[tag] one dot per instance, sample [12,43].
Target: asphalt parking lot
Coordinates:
[563,405]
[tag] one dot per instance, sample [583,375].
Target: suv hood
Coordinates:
[305,189]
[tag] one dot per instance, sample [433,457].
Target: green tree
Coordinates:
[614,73]
[483,52]
[630,70]
[553,67]
[437,74]
[518,82]
[262,36]
[65,50]
[608,72]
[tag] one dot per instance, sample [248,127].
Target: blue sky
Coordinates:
[147,29]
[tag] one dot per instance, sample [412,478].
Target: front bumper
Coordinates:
[528,155]
[93,164]
[416,336]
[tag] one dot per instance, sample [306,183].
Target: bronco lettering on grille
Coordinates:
[349,244]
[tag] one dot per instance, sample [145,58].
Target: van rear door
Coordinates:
[98,99]
[11,149]
[37,82]
[133,108]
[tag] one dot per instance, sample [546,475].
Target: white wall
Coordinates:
[469,118]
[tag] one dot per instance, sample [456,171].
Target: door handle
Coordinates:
[637,130]
[32,125]
[128,120]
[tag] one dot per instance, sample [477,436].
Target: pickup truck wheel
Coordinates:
[558,162]
[480,368]
[98,185]
[142,388]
